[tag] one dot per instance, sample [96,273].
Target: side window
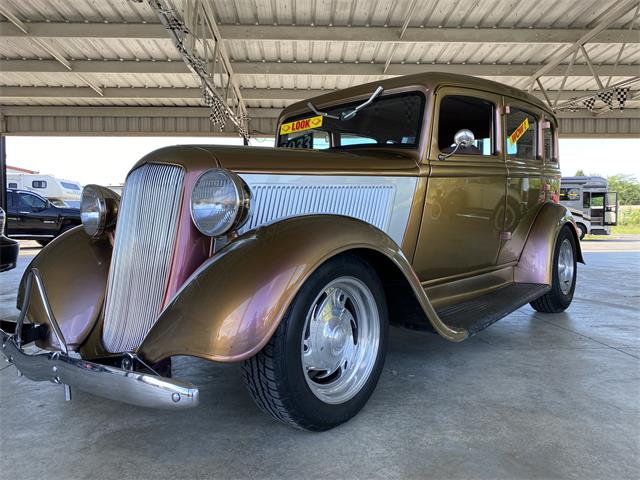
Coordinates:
[12,185]
[10,202]
[39,184]
[30,202]
[549,136]
[459,112]
[521,134]
[586,200]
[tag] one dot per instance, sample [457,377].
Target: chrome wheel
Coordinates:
[340,340]
[566,266]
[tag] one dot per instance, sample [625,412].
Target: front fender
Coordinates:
[74,270]
[231,306]
[536,261]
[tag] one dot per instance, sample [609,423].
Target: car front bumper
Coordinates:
[127,386]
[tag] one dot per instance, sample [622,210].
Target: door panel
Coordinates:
[527,187]
[464,208]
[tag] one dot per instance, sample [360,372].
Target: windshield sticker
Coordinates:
[515,136]
[302,141]
[301,125]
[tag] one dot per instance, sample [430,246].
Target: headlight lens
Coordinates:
[98,209]
[219,202]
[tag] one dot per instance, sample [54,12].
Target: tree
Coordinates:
[627,186]
[580,173]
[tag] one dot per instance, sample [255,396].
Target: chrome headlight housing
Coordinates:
[219,202]
[98,209]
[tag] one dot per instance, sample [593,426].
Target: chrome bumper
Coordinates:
[62,368]
[126,386]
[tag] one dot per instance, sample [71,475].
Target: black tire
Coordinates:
[555,300]
[275,376]
[583,230]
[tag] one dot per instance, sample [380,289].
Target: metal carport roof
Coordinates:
[73,67]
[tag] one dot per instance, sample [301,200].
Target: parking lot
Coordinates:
[534,396]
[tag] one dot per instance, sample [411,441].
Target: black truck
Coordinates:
[32,217]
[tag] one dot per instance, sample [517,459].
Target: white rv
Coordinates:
[594,208]
[60,192]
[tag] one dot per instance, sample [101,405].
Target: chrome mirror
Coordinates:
[463,138]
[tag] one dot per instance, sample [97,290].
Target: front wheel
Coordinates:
[583,230]
[324,360]
[563,283]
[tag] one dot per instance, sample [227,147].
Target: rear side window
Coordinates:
[458,112]
[549,136]
[521,134]
[39,184]
[12,185]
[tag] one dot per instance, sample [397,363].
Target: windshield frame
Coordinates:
[422,130]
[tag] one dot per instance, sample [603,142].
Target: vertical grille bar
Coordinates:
[141,262]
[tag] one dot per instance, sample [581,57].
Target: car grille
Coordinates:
[142,253]
[370,203]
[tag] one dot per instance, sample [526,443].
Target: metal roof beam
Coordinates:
[194,93]
[18,24]
[274,68]
[320,33]
[607,19]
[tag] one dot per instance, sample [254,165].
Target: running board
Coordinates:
[478,313]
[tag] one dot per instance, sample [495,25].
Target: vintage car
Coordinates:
[428,201]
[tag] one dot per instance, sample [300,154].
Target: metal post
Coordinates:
[3,172]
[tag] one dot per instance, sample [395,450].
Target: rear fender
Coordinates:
[536,260]
[231,306]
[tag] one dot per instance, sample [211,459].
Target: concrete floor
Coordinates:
[534,396]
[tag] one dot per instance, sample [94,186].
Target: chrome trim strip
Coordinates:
[144,243]
[125,386]
[384,202]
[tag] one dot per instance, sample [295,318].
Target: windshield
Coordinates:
[390,121]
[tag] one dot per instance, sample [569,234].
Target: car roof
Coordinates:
[19,190]
[429,80]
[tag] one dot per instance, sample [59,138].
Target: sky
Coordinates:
[106,160]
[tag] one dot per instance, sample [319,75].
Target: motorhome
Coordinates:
[594,208]
[60,192]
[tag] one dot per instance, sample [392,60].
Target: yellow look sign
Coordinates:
[518,132]
[300,125]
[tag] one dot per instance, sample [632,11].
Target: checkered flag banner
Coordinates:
[589,103]
[606,97]
[621,96]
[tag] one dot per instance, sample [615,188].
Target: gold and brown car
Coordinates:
[425,201]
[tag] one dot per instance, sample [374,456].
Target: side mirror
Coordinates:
[463,138]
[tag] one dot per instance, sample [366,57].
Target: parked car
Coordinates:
[60,192]
[9,248]
[593,206]
[33,217]
[428,201]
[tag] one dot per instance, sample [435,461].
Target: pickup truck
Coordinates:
[32,217]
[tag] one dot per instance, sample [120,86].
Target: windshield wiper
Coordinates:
[350,113]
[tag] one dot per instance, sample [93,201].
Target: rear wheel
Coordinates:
[324,360]
[563,283]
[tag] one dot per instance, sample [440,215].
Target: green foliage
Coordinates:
[628,188]
[580,173]
[629,215]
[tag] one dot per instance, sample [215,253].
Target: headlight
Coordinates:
[98,209]
[219,202]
